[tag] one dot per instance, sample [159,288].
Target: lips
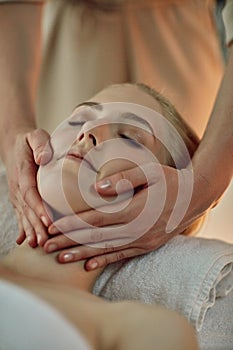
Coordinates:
[78,158]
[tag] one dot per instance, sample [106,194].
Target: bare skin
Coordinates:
[66,287]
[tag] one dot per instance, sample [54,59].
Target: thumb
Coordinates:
[39,141]
[143,175]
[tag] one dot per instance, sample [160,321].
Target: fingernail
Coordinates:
[94,265]
[51,247]
[53,229]
[45,221]
[39,238]
[104,184]
[67,257]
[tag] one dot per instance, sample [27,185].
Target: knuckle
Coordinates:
[97,220]
[63,240]
[105,260]
[27,191]
[109,247]
[38,137]
[28,230]
[26,166]
[35,133]
[149,245]
[119,177]
[120,255]
[37,226]
[96,236]
[25,208]
[122,175]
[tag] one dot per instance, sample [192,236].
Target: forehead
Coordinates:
[127,93]
[119,103]
[117,113]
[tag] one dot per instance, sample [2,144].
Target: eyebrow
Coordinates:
[126,115]
[132,116]
[95,105]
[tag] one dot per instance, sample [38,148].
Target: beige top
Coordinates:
[170,44]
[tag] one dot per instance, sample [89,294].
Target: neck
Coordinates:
[35,263]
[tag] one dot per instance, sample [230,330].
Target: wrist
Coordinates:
[10,138]
[211,178]
[17,116]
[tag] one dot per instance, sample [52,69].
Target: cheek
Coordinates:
[71,188]
[78,186]
[51,189]
[63,138]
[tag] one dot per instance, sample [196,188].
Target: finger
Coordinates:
[101,237]
[100,218]
[113,235]
[32,218]
[81,252]
[67,224]
[39,141]
[39,229]
[138,176]
[28,189]
[101,261]
[33,200]
[20,238]
[29,232]
[85,220]
[58,242]
[21,234]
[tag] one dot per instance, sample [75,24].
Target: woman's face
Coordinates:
[100,138]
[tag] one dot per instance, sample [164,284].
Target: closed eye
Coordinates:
[130,141]
[76,123]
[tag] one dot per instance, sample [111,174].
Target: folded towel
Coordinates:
[187,275]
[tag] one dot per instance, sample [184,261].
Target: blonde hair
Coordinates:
[187,134]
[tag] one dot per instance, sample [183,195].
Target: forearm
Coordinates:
[20,46]
[218,138]
[213,161]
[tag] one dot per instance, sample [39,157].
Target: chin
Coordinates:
[52,193]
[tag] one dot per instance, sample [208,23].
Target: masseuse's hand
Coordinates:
[104,223]
[21,164]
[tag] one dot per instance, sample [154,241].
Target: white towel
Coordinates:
[187,275]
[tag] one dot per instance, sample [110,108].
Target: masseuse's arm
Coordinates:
[20,143]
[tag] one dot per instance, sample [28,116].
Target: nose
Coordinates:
[89,138]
